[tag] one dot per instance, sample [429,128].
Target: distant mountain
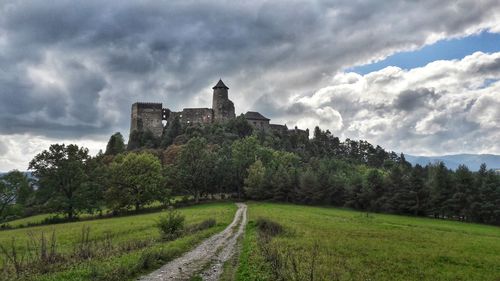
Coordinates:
[28,174]
[472,161]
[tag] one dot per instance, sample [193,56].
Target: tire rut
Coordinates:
[208,257]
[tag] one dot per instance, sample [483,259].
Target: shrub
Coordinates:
[171,225]
[269,227]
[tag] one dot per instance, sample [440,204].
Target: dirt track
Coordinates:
[208,258]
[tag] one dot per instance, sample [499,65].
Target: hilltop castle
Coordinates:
[150,116]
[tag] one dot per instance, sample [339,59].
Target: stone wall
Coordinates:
[147,116]
[196,116]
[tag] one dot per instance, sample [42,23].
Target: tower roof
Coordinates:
[253,115]
[219,85]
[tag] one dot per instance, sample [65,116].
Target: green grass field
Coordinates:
[337,244]
[37,219]
[122,230]
[318,243]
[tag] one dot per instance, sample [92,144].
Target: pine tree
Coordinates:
[115,144]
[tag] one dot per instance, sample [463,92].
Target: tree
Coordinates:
[283,175]
[308,190]
[115,145]
[441,190]
[486,206]
[139,139]
[462,197]
[172,130]
[255,181]
[194,167]
[62,174]
[135,180]
[98,182]
[373,190]
[419,190]
[243,154]
[14,188]
[224,175]
[240,126]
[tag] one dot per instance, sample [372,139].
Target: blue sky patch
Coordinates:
[442,50]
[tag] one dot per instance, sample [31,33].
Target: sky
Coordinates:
[419,77]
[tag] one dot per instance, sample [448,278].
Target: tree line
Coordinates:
[232,159]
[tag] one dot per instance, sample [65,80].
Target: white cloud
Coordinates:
[444,107]
[20,149]
[71,70]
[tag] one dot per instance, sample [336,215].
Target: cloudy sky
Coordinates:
[421,77]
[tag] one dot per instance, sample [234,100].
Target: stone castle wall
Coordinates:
[196,116]
[147,116]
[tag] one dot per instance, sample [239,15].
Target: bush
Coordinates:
[171,225]
[269,227]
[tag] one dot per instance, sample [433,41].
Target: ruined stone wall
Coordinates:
[299,132]
[281,129]
[196,116]
[147,116]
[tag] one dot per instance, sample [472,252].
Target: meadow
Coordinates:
[136,237]
[320,243]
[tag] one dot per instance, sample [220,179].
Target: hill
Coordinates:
[472,161]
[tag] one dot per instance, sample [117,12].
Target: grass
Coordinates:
[38,219]
[123,230]
[129,266]
[337,244]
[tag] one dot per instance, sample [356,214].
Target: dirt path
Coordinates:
[208,258]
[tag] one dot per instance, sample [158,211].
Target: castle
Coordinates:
[150,116]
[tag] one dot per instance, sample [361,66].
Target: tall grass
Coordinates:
[333,244]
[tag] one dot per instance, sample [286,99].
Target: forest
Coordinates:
[232,160]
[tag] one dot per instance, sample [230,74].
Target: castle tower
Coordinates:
[221,105]
[147,117]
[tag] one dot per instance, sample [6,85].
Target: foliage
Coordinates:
[255,182]
[139,139]
[116,144]
[194,168]
[62,173]
[240,126]
[135,179]
[230,159]
[15,188]
[171,225]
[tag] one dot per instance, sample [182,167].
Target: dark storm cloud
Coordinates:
[410,100]
[73,68]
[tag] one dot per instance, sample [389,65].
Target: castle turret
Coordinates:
[221,105]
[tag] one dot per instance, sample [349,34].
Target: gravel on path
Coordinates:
[208,258]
